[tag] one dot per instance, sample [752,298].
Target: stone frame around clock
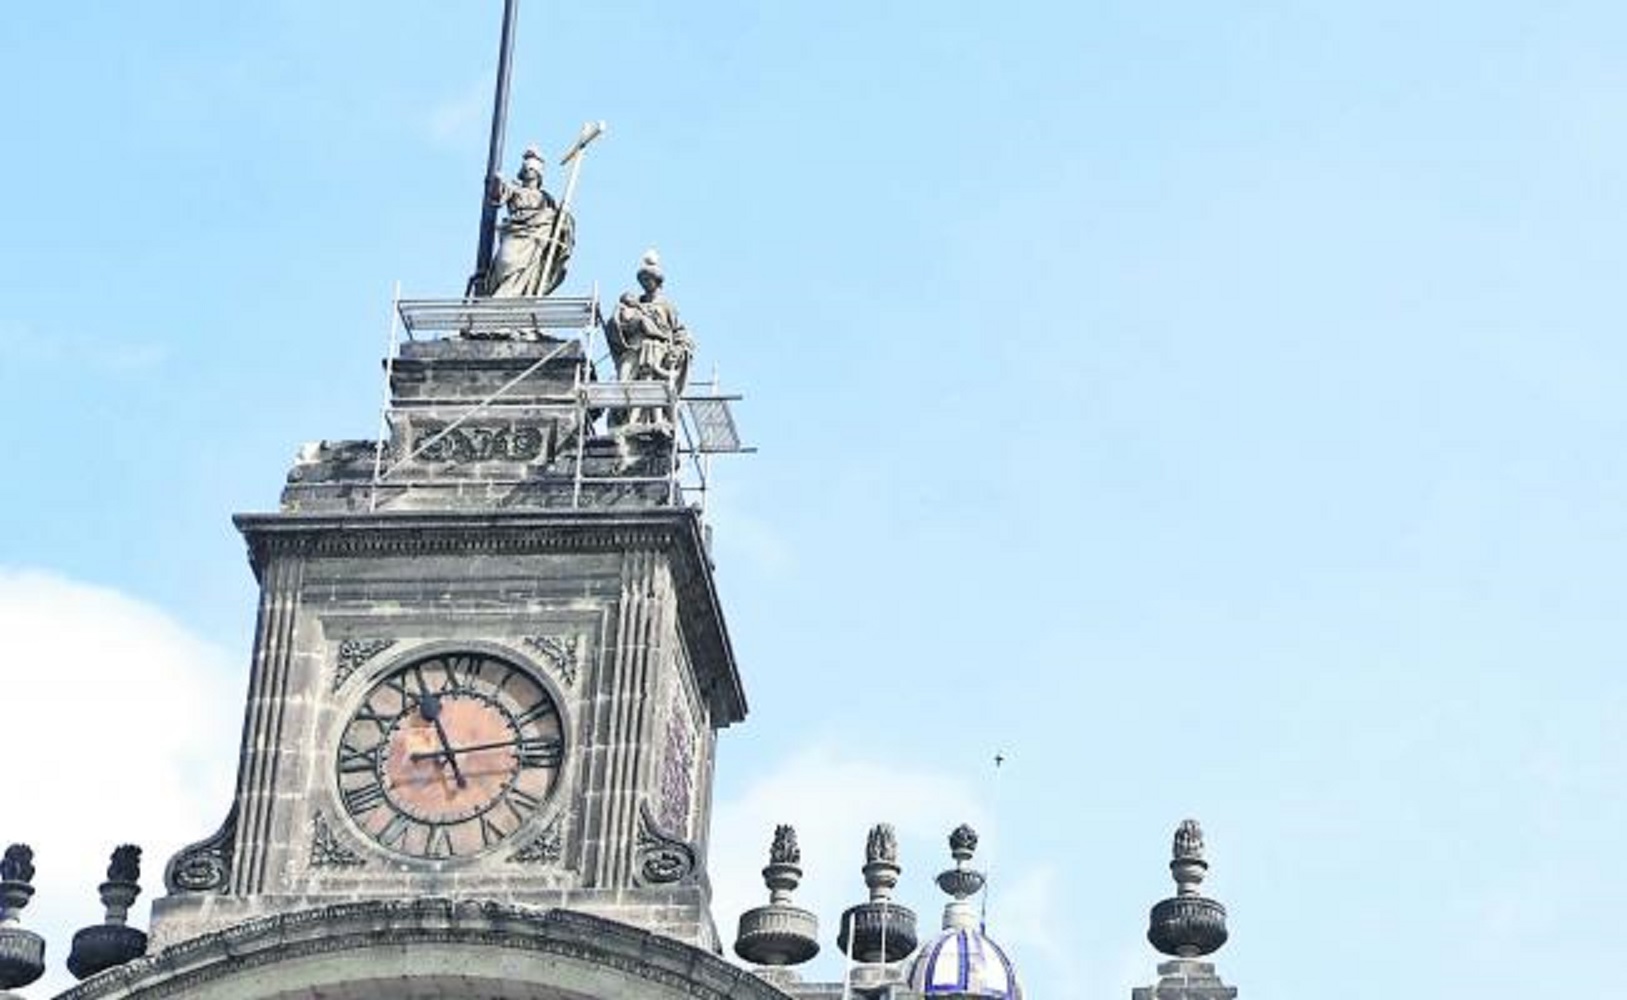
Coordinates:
[403,653]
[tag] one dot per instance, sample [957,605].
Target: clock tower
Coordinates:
[490,661]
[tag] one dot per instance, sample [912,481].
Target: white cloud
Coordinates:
[833,797]
[120,727]
[1028,919]
[1135,968]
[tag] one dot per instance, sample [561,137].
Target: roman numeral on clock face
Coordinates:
[367,713]
[462,673]
[395,831]
[541,710]
[490,832]
[354,761]
[521,803]
[439,844]
[540,751]
[364,798]
[408,685]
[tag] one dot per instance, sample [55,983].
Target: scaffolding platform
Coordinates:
[483,318]
[526,422]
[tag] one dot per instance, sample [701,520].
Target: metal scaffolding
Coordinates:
[699,422]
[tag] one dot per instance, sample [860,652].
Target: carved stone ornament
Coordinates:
[1188,841]
[1187,924]
[560,652]
[18,864]
[327,850]
[22,952]
[662,859]
[882,845]
[205,866]
[784,850]
[355,652]
[125,864]
[545,848]
[467,443]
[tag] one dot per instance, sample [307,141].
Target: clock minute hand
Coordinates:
[429,706]
[469,749]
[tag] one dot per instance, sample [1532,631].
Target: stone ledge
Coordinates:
[311,949]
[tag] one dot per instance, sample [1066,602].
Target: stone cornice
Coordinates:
[676,531]
[254,948]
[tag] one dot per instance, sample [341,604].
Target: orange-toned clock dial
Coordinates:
[450,756]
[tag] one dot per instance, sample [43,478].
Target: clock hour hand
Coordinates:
[429,706]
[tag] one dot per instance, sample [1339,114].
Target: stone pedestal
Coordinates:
[536,445]
[1185,979]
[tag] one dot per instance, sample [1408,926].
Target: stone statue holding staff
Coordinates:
[538,234]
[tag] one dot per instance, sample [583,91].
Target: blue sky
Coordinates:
[1218,408]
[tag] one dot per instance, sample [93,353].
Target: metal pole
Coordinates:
[988,878]
[847,968]
[583,414]
[677,431]
[494,147]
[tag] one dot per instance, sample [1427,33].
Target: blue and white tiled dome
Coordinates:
[963,962]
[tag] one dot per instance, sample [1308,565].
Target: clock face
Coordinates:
[450,755]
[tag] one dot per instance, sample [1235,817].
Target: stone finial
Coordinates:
[879,930]
[779,934]
[102,946]
[125,864]
[782,876]
[18,864]
[1186,864]
[881,868]
[784,850]
[881,845]
[22,952]
[961,881]
[1188,841]
[1188,924]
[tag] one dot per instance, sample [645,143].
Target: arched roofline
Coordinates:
[289,952]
